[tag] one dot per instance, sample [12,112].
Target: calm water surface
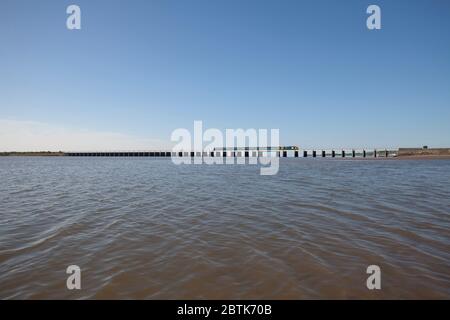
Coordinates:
[146,228]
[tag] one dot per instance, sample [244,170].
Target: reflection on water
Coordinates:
[145,228]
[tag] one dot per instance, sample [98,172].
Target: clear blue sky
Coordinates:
[310,68]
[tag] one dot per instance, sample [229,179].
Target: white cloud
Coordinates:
[35,136]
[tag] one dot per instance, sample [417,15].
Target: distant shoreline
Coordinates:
[400,157]
[418,154]
[33,153]
[423,157]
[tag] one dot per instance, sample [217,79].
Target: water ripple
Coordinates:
[145,228]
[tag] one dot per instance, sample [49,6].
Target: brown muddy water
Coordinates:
[148,229]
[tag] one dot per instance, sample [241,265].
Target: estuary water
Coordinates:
[148,229]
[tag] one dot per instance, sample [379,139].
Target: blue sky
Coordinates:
[140,69]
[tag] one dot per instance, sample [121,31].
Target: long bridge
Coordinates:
[284,152]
